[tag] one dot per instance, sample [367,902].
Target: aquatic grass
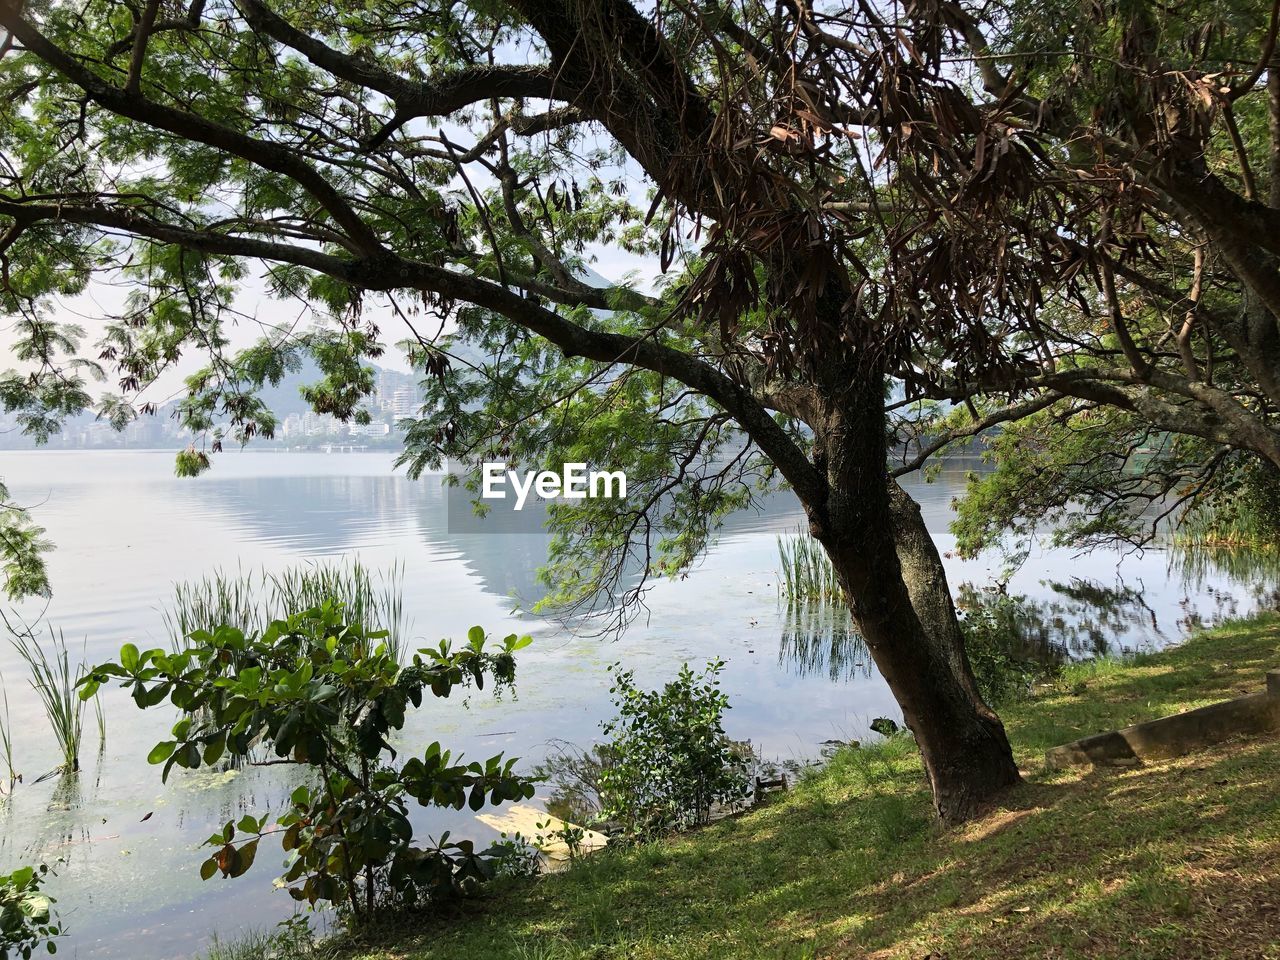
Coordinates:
[250,600]
[1199,563]
[286,944]
[101,719]
[54,682]
[6,736]
[807,571]
[378,605]
[819,636]
[218,599]
[1243,512]
[818,632]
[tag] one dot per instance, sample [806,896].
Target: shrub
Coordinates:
[670,761]
[1005,662]
[574,778]
[26,914]
[325,694]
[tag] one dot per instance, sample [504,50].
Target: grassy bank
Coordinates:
[1179,859]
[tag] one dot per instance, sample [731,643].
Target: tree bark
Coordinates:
[897,592]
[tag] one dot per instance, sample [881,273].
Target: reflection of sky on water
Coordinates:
[126,531]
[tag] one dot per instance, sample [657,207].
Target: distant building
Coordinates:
[100,435]
[405,402]
[143,432]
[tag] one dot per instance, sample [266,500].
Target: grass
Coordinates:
[261,945]
[54,682]
[250,600]
[101,719]
[1171,859]
[6,736]
[807,572]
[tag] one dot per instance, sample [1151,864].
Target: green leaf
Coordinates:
[129,657]
[214,749]
[149,698]
[161,751]
[188,756]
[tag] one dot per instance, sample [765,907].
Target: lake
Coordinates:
[126,531]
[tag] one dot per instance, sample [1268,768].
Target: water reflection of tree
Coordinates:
[1083,617]
[819,636]
[1202,568]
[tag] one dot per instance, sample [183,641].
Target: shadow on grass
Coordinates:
[1172,859]
[1118,864]
[1110,694]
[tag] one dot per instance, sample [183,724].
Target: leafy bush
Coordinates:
[1005,662]
[26,914]
[325,694]
[670,761]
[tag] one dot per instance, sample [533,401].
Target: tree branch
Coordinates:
[191,126]
[142,34]
[387,271]
[442,96]
[1014,411]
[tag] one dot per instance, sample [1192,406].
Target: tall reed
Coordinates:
[249,600]
[377,605]
[6,737]
[102,722]
[218,599]
[807,571]
[54,682]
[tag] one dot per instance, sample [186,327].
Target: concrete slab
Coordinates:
[1182,733]
[542,830]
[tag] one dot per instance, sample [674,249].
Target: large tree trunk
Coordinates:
[897,592]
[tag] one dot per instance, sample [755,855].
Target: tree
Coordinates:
[1161,377]
[843,197]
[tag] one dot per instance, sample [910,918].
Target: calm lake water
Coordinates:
[126,531]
